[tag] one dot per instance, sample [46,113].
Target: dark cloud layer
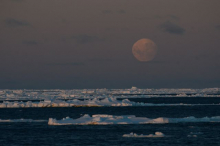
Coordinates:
[67,64]
[174,17]
[100,60]
[30,42]
[110,11]
[15,23]
[121,11]
[84,39]
[172,28]
[217,27]
[106,11]
[17,0]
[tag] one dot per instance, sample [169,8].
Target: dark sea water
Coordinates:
[40,133]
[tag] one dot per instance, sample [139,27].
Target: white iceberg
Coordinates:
[157,134]
[126,119]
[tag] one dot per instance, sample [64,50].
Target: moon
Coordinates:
[144,50]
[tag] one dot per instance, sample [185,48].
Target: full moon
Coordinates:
[144,50]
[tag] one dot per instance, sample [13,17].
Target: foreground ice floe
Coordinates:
[20,120]
[157,134]
[126,119]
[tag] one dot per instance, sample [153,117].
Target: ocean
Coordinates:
[36,131]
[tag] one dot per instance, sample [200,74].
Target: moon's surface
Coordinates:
[144,50]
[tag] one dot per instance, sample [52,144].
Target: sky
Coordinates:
[78,44]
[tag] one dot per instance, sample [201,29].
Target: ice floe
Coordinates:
[95,102]
[105,120]
[194,134]
[191,135]
[157,134]
[28,94]
[20,120]
[126,119]
[110,101]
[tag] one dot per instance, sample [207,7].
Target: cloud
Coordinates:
[17,0]
[217,27]
[172,28]
[106,11]
[30,42]
[67,64]
[174,17]
[121,11]
[110,11]
[154,62]
[161,17]
[84,39]
[16,23]
[100,60]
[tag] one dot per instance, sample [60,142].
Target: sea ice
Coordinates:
[105,120]
[192,135]
[26,94]
[108,101]
[157,134]
[21,120]
[126,119]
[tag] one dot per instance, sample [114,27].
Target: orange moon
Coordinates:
[144,50]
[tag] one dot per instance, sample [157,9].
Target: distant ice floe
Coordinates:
[31,94]
[126,119]
[95,102]
[194,134]
[20,120]
[157,134]
[110,101]
[191,135]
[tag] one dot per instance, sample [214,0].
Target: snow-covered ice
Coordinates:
[126,119]
[157,134]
